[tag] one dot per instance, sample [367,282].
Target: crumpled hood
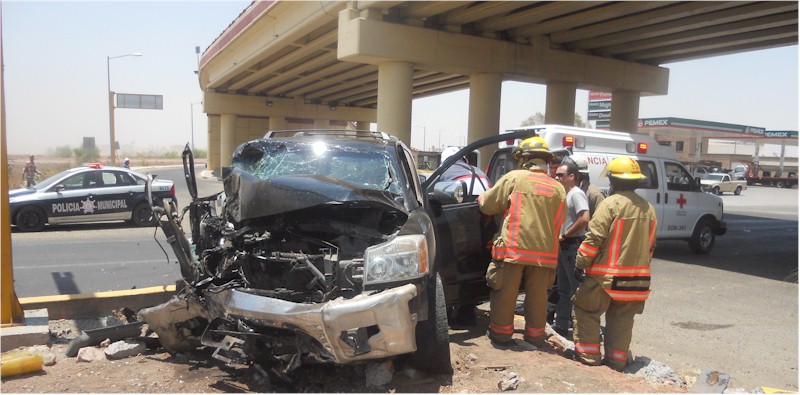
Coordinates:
[249,197]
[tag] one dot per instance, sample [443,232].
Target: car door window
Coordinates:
[648,169]
[678,179]
[78,181]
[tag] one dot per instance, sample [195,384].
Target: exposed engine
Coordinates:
[308,256]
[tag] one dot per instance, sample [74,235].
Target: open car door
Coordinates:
[463,234]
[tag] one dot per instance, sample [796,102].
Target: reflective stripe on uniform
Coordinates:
[628,296]
[588,348]
[525,256]
[616,242]
[588,250]
[619,271]
[534,332]
[617,355]
[502,329]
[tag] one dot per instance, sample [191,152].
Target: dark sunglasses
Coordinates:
[560,175]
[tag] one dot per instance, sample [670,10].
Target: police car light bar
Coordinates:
[94,165]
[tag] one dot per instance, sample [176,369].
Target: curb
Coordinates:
[96,304]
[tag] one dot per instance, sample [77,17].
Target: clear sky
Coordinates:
[55,57]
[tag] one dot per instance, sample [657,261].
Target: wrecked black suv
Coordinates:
[324,247]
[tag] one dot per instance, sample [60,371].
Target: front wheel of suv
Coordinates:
[433,339]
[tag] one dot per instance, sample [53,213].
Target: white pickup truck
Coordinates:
[718,183]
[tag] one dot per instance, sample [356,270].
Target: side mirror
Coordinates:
[422,178]
[447,192]
[226,170]
[59,188]
[697,185]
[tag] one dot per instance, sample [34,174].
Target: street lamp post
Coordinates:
[191,110]
[111,106]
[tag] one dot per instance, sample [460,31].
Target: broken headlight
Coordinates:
[403,258]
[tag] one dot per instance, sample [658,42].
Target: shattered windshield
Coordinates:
[363,165]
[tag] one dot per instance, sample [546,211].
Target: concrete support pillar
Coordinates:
[213,144]
[484,110]
[395,81]
[227,140]
[277,123]
[362,125]
[783,155]
[560,106]
[625,111]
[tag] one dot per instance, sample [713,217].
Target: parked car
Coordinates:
[90,193]
[324,246]
[717,183]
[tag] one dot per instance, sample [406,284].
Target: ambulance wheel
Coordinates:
[433,339]
[143,215]
[703,237]
[31,219]
[738,191]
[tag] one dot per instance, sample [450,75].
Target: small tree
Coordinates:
[63,151]
[539,119]
[83,155]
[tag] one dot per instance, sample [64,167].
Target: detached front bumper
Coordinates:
[344,327]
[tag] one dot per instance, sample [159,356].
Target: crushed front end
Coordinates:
[306,256]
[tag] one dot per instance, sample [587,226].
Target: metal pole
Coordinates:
[191,111]
[113,147]
[112,136]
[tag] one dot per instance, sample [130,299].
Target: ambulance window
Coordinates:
[648,170]
[678,179]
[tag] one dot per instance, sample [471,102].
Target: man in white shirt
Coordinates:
[572,233]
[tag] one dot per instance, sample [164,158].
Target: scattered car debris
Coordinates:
[510,382]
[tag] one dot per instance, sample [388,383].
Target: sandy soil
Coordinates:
[478,367]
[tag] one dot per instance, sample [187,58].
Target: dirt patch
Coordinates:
[478,367]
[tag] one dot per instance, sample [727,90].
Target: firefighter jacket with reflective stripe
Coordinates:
[533,210]
[619,246]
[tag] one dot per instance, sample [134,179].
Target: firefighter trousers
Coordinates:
[504,280]
[589,303]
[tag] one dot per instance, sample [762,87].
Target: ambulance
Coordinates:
[684,211]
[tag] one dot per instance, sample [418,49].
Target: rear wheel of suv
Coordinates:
[433,339]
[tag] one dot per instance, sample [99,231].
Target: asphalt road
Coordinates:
[87,258]
[734,310]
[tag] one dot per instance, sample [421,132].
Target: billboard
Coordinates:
[143,102]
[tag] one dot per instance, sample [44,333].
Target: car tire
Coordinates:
[702,240]
[738,191]
[31,219]
[780,184]
[717,191]
[433,339]
[143,215]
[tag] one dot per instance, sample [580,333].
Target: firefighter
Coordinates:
[526,246]
[615,256]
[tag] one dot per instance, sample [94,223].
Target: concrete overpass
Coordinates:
[290,64]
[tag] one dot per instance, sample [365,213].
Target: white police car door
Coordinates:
[74,198]
[116,198]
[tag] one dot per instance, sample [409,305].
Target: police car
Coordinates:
[89,193]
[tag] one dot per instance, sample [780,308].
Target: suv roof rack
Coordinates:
[345,133]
